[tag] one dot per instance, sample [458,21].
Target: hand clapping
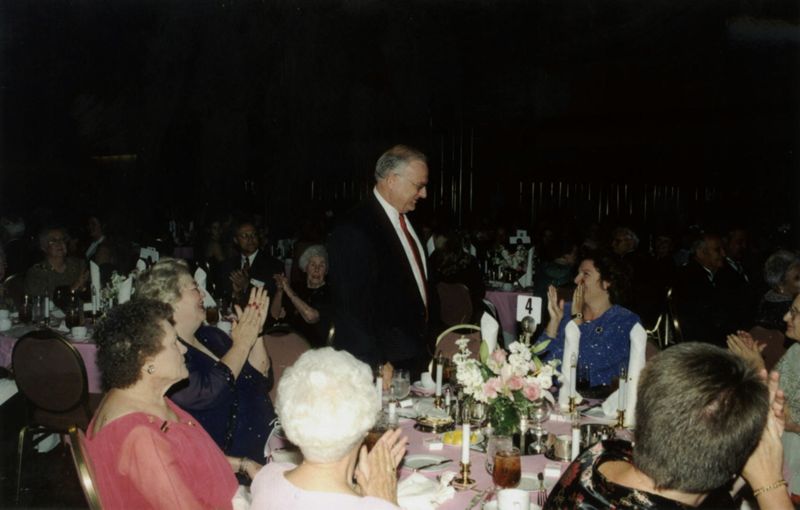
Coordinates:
[249,321]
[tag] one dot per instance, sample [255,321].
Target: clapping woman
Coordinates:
[229,376]
[605,326]
[147,452]
[326,402]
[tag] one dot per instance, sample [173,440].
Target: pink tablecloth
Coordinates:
[506,304]
[87,350]
[532,464]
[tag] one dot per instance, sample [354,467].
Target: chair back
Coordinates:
[15,288]
[775,344]
[284,346]
[84,467]
[455,303]
[50,374]
[446,341]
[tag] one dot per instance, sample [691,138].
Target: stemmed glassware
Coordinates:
[73,312]
[401,384]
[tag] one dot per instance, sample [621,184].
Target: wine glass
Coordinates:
[25,314]
[73,314]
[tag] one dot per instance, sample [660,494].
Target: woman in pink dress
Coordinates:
[147,452]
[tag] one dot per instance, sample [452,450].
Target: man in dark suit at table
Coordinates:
[378,271]
[252,267]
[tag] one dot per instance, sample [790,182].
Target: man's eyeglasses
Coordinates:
[248,235]
[56,240]
[419,186]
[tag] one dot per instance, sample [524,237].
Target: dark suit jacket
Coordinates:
[379,314]
[262,268]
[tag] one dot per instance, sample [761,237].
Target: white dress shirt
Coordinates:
[394,217]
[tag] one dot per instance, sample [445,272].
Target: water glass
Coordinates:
[26,310]
[401,383]
[212,315]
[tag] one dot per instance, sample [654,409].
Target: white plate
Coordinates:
[414,461]
[492,505]
[530,482]
[420,390]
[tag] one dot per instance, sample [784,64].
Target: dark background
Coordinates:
[185,108]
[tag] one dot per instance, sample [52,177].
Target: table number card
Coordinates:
[529,305]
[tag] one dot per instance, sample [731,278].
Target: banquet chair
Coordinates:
[455,303]
[775,344]
[51,376]
[84,467]
[284,346]
[446,341]
[15,288]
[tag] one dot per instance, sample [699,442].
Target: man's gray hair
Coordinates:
[395,159]
[326,403]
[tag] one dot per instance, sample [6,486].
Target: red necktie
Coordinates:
[417,257]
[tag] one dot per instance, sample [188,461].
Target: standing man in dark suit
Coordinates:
[251,267]
[378,271]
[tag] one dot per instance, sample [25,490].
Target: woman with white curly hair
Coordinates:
[306,308]
[327,404]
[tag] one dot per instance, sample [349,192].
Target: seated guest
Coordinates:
[451,263]
[707,304]
[56,269]
[782,275]
[252,267]
[327,403]
[557,264]
[229,376]
[147,452]
[789,369]
[308,309]
[703,417]
[605,327]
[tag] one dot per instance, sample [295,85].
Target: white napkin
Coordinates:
[124,291]
[94,271]
[489,330]
[572,342]
[141,265]
[242,499]
[636,361]
[418,492]
[200,278]
[527,279]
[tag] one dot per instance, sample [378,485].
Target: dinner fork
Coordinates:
[541,492]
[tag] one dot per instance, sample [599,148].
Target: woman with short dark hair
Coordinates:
[146,451]
[605,326]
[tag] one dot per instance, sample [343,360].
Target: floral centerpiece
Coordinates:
[509,383]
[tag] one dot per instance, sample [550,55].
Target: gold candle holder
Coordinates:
[438,402]
[573,405]
[620,418]
[462,481]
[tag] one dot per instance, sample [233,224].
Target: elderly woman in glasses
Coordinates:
[56,269]
[306,309]
[229,376]
[147,452]
[327,403]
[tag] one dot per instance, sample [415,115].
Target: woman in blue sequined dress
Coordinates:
[604,325]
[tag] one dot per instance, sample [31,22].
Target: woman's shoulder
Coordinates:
[622,314]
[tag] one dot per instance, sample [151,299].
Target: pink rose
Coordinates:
[515,383]
[532,391]
[492,387]
[499,356]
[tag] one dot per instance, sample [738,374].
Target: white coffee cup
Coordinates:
[5,314]
[225,326]
[78,332]
[5,324]
[426,381]
[513,499]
